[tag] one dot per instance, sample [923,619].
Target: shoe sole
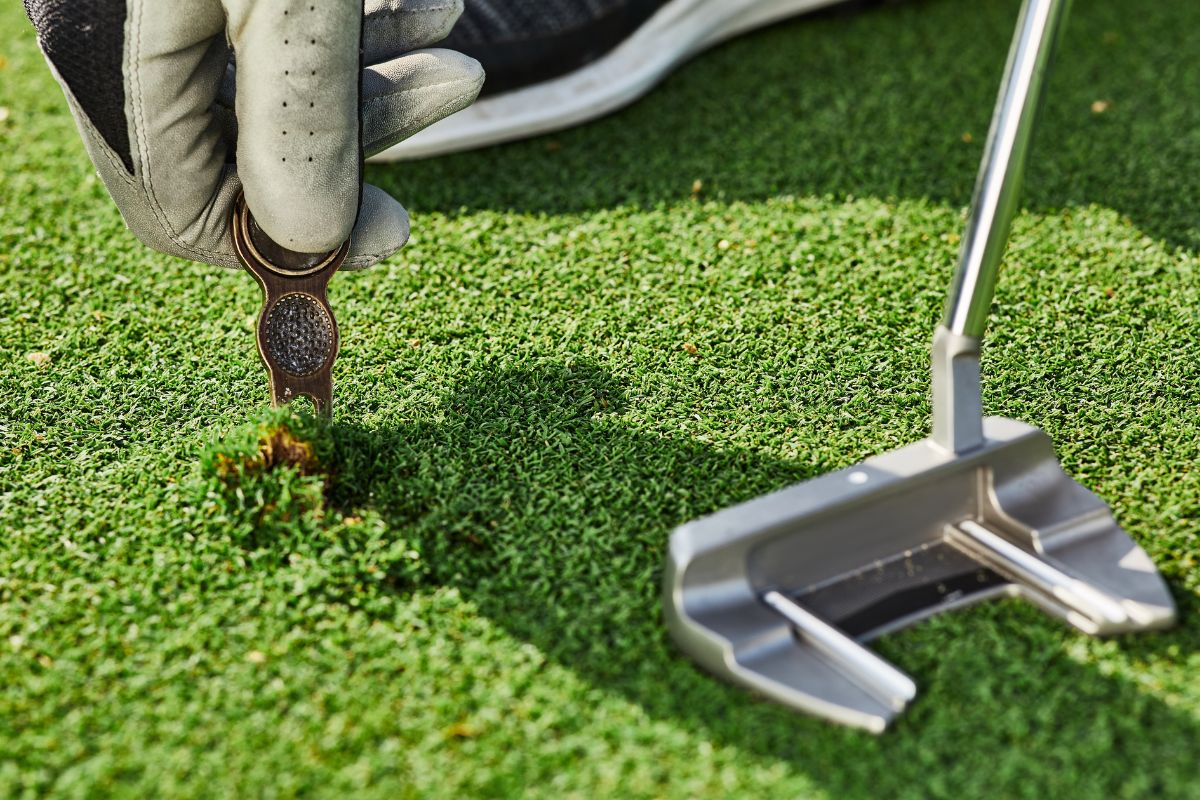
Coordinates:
[678,31]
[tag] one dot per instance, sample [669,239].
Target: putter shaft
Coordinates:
[957,408]
[1002,171]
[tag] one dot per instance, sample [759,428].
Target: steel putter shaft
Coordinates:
[780,593]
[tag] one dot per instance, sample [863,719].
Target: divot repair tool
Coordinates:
[297,334]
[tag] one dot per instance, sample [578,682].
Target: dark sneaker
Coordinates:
[552,64]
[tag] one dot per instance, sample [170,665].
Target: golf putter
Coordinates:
[779,594]
[297,334]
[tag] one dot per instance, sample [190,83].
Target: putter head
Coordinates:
[779,593]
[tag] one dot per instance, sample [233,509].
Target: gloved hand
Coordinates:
[320,84]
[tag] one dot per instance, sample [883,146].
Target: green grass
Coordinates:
[469,606]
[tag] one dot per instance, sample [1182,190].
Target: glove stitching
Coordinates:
[139,128]
[363,260]
[94,138]
[97,144]
[116,162]
[135,74]
[450,106]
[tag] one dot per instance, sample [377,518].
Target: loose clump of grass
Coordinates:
[278,448]
[267,487]
[269,478]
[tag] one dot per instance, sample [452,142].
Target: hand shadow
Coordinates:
[552,516]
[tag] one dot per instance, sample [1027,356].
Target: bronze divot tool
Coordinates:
[297,334]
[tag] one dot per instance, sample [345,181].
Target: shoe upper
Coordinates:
[523,42]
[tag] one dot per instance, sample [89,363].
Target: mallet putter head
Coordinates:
[778,594]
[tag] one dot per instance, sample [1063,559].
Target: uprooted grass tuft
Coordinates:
[268,488]
[281,440]
[278,448]
[269,477]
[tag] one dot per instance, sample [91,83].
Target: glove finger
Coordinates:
[407,94]
[381,230]
[399,98]
[297,103]
[392,28]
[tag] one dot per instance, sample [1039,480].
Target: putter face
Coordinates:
[778,594]
[297,333]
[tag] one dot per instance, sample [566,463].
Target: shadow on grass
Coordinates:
[553,519]
[892,102]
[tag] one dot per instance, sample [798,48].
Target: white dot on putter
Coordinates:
[858,477]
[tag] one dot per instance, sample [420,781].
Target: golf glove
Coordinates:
[320,84]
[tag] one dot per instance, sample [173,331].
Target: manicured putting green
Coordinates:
[594,337]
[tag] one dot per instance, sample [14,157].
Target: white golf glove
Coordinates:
[320,84]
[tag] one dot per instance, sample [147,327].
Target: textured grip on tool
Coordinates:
[299,334]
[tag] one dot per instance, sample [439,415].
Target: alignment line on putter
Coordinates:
[874,674]
[1089,609]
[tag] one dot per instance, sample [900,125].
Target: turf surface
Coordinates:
[461,599]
